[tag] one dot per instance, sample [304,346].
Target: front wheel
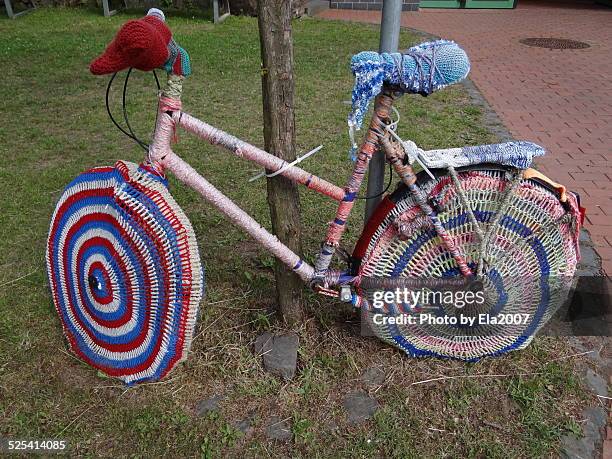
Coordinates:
[526,268]
[125,272]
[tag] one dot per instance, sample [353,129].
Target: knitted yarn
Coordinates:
[518,154]
[529,260]
[141,44]
[125,272]
[144,44]
[178,62]
[421,69]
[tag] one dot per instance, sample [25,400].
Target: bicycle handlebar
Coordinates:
[144,44]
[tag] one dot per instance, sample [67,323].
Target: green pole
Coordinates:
[389,41]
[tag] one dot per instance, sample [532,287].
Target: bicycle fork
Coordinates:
[408,177]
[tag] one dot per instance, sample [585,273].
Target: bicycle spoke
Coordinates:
[465,203]
[510,189]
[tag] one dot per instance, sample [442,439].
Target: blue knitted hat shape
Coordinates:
[422,69]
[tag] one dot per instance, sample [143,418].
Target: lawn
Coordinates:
[55,126]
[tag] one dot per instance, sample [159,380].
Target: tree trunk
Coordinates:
[249,7]
[274,17]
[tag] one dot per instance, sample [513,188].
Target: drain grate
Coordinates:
[555,43]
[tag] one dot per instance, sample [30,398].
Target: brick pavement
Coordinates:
[561,99]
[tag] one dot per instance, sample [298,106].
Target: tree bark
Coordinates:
[274,18]
[249,7]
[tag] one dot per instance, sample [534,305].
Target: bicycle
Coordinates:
[123,261]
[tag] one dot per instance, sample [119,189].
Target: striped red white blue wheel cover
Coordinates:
[125,272]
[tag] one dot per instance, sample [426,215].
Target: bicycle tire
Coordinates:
[125,272]
[532,255]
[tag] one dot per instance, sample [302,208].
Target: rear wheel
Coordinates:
[526,268]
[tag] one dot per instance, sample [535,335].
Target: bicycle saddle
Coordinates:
[144,44]
[422,69]
[518,153]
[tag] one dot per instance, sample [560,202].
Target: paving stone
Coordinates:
[208,405]
[596,383]
[279,353]
[584,236]
[245,425]
[574,448]
[585,447]
[595,420]
[590,262]
[278,429]
[373,377]
[359,407]
[263,343]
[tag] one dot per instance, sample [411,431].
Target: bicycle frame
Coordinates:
[124,266]
[318,276]
[161,154]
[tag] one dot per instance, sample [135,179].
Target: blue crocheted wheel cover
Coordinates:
[125,272]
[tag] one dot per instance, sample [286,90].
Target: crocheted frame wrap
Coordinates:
[125,272]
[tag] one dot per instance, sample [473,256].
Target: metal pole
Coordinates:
[217,16]
[389,40]
[215,11]
[106,9]
[9,9]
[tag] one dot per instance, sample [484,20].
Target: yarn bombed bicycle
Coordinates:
[123,261]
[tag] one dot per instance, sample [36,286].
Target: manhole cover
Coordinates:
[555,43]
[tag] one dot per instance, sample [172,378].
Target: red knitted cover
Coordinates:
[141,43]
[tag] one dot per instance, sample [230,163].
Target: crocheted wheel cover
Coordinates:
[532,259]
[125,272]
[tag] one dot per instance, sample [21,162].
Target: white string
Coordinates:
[410,148]
[393,125]
[286,166]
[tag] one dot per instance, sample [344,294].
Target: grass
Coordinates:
[55,126]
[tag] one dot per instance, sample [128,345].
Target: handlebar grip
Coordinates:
[144,44]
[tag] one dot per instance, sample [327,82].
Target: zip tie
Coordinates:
[353,149]
[286,166]
[394,124]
